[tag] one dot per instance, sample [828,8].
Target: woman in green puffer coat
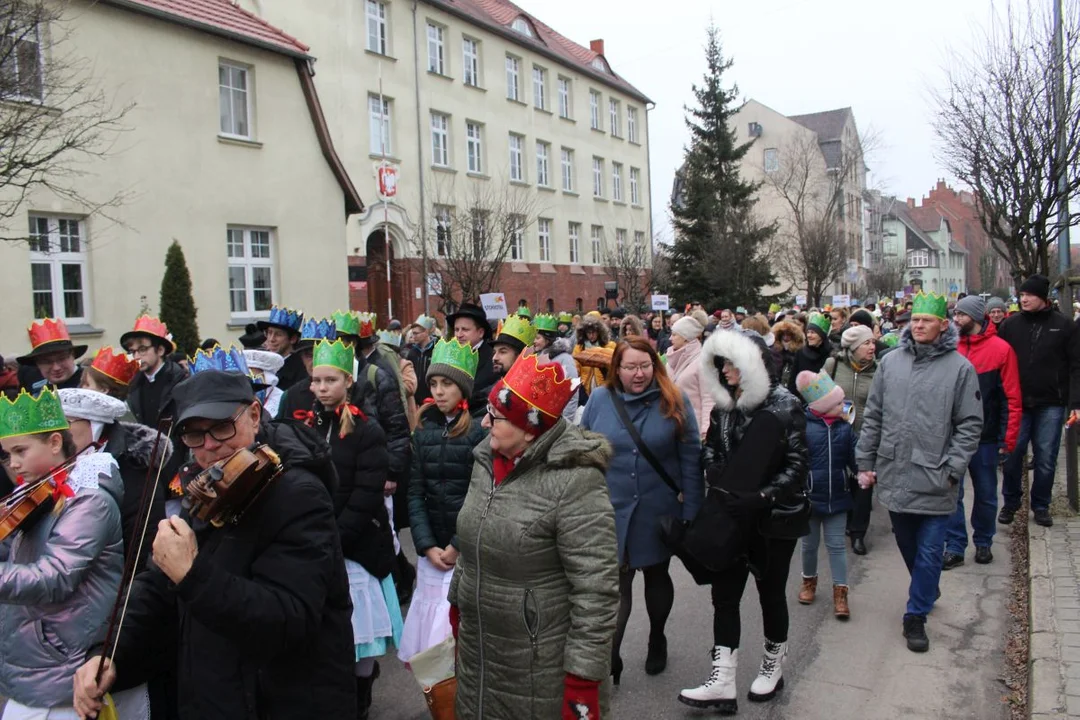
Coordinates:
[536,589]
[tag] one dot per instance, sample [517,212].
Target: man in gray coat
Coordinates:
[921,427]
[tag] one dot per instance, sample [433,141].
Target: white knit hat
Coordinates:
[91,405]
[688,328]
[264,360]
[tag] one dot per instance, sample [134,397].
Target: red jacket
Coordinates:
[999,383]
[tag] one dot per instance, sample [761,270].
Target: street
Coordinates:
[858,669]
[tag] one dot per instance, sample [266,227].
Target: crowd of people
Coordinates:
[246,504]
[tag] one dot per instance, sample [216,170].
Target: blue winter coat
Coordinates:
[832,461]
[638,493]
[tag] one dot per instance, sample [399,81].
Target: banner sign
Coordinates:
[494,305]
[800,300]
[841,300]
[660,302]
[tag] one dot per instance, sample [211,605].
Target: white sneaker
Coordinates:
[718,692]
[770,679]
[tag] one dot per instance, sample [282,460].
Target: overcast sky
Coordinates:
[796,56]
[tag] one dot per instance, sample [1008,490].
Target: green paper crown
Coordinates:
[28,415]
[334,354]
[519,328]
[346,322]
[820,322]
[774,308]
[456,355]
[565,317]
[890,339]
[547,323]
[524,312]
[933,305]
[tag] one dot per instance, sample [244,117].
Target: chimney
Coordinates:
[597,46]
[911,203]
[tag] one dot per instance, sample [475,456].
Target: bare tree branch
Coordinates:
[627,263]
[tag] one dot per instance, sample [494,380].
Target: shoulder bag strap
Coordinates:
[620,410]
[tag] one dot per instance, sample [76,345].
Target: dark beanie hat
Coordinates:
[863,317]
[973,306]
[1037,285]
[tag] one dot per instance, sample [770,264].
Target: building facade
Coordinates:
[224,149]
[919,240]
[987,271]
[497,125]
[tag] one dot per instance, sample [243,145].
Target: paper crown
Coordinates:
[932,305]
[115,365]
[524,312]
[545,389]
[890,339]
[285,318]
[457,355]
[518,328]
[27,415]
[217,358]
[545,322]
[393,338]
[151,326]
[565,317]
[47,331]
[367,324]
[345,322]
[334,354]
[820,322]
[321,329]
[425,321]
[774,308]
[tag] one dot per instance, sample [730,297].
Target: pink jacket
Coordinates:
[684,366]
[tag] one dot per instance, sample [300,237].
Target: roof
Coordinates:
[899,210]
[828,124]
[928,217]
[497,15]
[220,17]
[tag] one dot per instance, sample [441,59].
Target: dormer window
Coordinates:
[522,26]
[599,64]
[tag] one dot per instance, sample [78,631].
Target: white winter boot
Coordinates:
[718,692]
[770,678]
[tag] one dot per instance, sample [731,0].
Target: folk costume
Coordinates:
[268,365]
[291,321]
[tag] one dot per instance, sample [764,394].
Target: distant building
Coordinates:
[986,269]
[920,241]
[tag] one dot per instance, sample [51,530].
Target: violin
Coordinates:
[27,502]
[224,491]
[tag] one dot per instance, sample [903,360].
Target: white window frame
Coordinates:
[539,87]
[635,186]
[574,234]
[517,238]
[543,235]
[543,163]
[918,258]
[474,147]
[380,113]
[596,237]
[567,160]
[249,262]
[620,239]
[436,48]
[565,89]
[440,139]
[771,162]
[631,123]
[598,177]
[639,243]
[443,223]
[616,181]
[522,26]
[470,61]
[18,72]
[513,78]
[613,112]
[56,257]
[595,121]
[232,131]
[517,157]
[377,36]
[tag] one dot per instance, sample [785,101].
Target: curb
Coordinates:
[1046,685]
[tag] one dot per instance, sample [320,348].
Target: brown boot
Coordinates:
[808,590]
[839,599]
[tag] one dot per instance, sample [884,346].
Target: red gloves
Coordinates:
[581,698]
[455,620]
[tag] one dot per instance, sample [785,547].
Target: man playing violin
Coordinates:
[252,615]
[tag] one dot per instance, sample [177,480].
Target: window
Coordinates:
[234,100]
[598,64]
[376,27]
[597,236]
[543,231]
[543,152]
[512,80]
[517,237]
[594,110]
[918,258]
[517,164]
[540,87]
[564,97]
[470,61]
[620,240]
[521,25]
[635,186]
[568,170]
[435,60]
[479,220]
[440,137]
[473,146]
[58,268]
[442,230]
[598,177]
[631,124]
[379,112]
[613,111]
[251,271]
[21,73]
[574,232]
[616,181]
[772,161]
[639,243]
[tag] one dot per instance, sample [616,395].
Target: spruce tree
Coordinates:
[719,256]
[177,304]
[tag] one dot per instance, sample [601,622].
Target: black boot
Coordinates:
[363,696]
[404,579]
[656,660]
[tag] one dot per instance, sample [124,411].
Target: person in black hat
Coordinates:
[282,330]
[51,360]
[253,338]
[253,616]
[470,326]
[151,389]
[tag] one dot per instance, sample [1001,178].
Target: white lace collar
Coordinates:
[87,470]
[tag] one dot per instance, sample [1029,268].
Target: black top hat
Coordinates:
[253,338]
[472,311]
[51,347]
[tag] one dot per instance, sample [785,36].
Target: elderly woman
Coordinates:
[535,591]
[653,431]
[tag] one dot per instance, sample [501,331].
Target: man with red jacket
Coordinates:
[999,384]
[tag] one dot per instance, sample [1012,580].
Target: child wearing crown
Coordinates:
[61,567]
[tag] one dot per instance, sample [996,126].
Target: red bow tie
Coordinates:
[59,483]
[353,410]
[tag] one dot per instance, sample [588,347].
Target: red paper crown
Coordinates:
[544,389]
[367,324]
[151,326]
[115,365]
[47,331]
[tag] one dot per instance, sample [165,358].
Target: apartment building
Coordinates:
[477,104]
[920,240]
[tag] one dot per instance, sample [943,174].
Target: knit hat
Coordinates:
[819,324]
[456,361]
[973,306]
[819,391]
[855,336]
[996,303]
[1037,285]
[862,317]
[688,328]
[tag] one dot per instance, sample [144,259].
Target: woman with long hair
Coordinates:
[655,474]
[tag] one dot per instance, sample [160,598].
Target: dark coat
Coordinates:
[292,372]
[421,360]
[147,399]
[132,445]
[441,469]
[832,464]
[31,380]
[1047,347]
[808,358]
[261,626]
[485,376]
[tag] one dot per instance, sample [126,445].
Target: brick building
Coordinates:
[986,269]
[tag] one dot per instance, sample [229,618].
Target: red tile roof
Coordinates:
[220,17]
[497,15]
[927,217]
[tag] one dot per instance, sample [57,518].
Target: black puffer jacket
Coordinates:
[381,399]
[808,358]
[441,469]
[133,447]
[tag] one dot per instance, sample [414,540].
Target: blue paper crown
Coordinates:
[318,330]
[217,358]
[391,337]
[286,318]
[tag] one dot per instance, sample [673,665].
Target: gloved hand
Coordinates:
[455,621]
[581,698]
[745,501]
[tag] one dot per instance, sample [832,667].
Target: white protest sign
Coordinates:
[660,302]
[800,300]
[494,305]
[841,300]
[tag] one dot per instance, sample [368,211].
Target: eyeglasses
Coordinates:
[490,414]
[222,431]
[635,369]
[140,350]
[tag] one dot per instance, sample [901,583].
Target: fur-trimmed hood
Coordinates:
[603,337]
[139,445]
[748,355]
[790,335]
[560,346]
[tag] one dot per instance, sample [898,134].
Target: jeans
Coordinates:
[983,470]
[920,539]
[728,587]
[858,517]
[1042,426]
[833,527]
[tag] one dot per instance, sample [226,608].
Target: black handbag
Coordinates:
[787,521]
